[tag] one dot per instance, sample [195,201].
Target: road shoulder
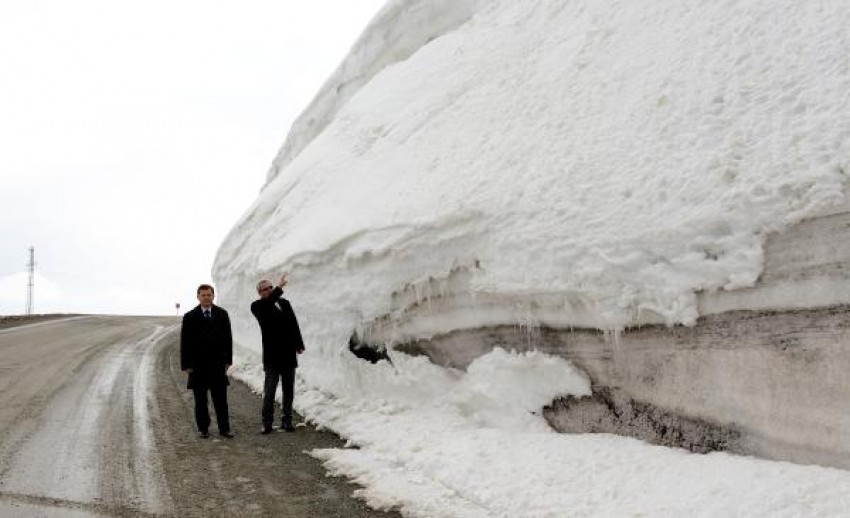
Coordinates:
[250,475]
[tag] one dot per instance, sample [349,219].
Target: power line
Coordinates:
[31,282]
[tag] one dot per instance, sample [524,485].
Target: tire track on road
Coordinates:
[88,444]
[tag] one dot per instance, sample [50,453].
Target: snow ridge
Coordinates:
[395,33]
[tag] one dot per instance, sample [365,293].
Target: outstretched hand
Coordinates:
[283,280]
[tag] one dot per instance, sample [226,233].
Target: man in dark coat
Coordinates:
[282,344]
[206,352]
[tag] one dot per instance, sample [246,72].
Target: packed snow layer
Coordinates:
[619,156]
[594,164]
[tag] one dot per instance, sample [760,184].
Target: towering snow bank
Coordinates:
[564,163]
[559,163]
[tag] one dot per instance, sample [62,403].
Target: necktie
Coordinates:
[207,314]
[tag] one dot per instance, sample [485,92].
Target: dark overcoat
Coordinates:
[206,347]
[279,327]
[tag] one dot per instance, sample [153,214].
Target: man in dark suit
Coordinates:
[206,352]
[282,344]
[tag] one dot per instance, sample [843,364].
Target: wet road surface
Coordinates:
[95,420]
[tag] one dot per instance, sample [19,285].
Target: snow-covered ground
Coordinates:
[572,164]
[438,443]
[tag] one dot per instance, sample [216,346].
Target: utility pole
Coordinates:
[31,282]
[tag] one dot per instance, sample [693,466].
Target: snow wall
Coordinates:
[604,169]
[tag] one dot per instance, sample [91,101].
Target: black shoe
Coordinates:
[227,435]
[287,427]
[266,430]
[204,434]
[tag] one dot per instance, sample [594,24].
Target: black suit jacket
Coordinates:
[279,327]
[206,346]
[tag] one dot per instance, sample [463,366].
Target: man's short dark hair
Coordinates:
[204,287]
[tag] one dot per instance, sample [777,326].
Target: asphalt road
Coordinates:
[95,420]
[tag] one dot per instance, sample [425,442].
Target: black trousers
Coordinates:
[202,412]
[286,377]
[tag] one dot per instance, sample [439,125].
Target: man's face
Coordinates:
[205,297]
[265,289]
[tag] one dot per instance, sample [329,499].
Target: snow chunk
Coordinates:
[526,381]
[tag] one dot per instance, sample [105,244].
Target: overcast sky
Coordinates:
[134,134]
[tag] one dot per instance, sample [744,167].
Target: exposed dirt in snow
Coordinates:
[610,411]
